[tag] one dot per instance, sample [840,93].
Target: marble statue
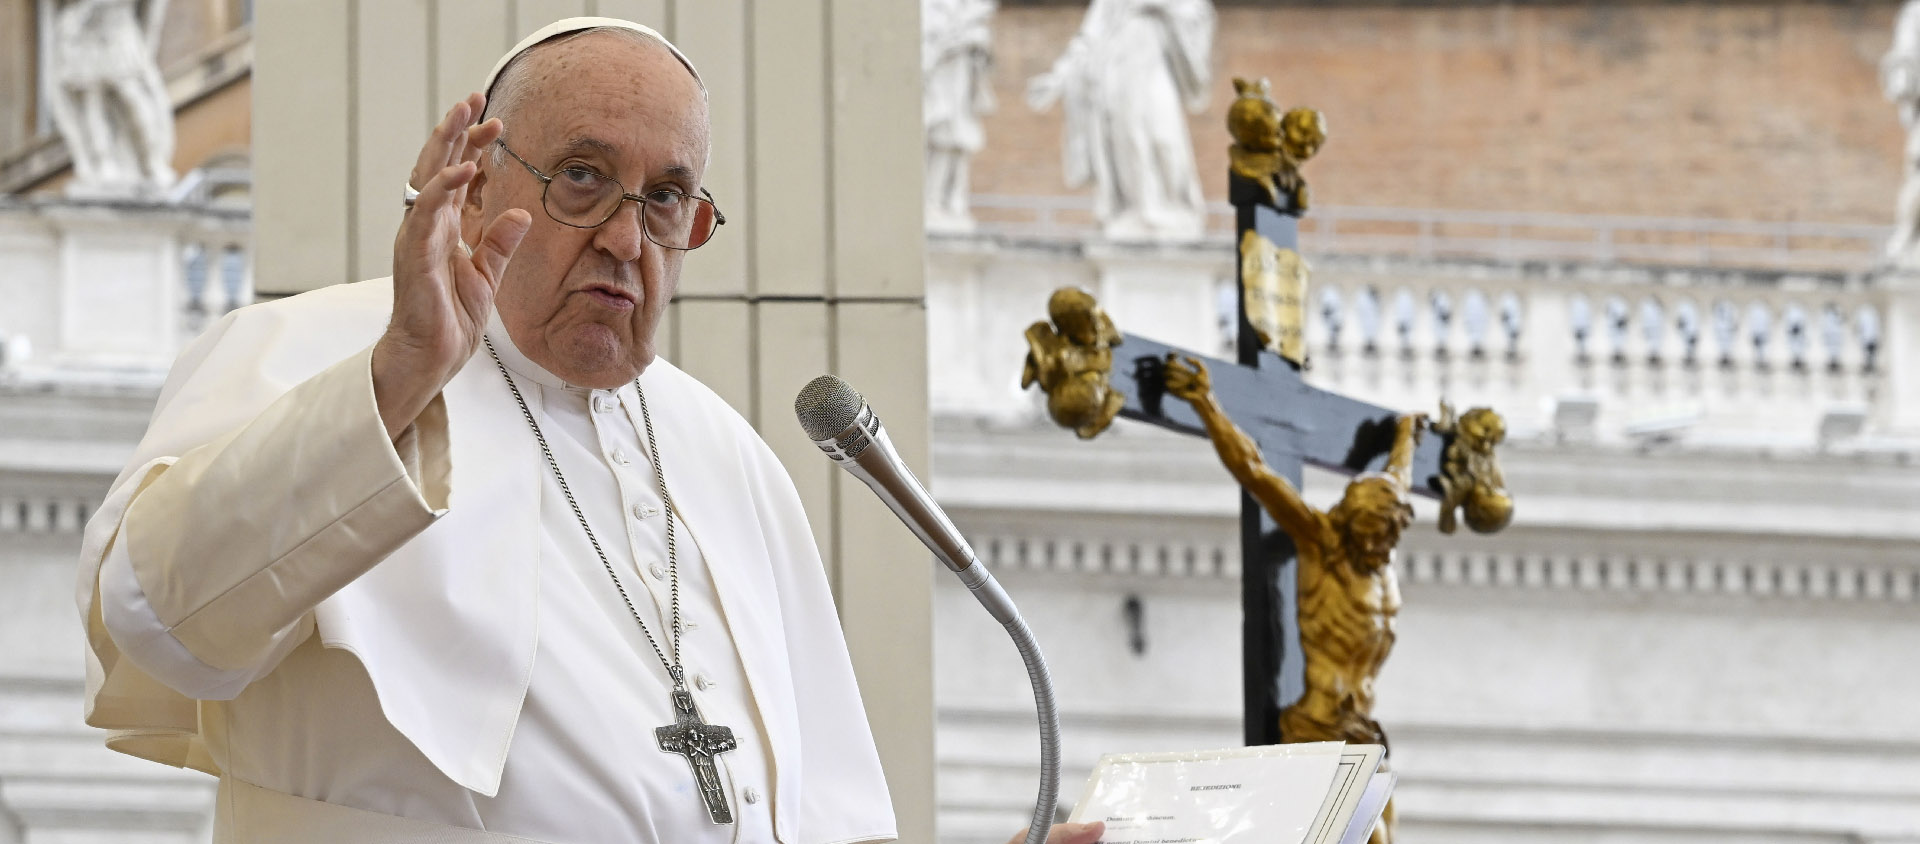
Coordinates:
[108,100]
[1900,79]
[955,57]
[1125,84]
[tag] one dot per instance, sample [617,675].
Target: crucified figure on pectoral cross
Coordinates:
[1349,595]
[699,742]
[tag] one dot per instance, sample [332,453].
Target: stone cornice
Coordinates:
[1884,574]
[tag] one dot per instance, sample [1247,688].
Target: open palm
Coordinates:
[443,289]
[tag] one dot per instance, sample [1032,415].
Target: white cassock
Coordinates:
[407,641]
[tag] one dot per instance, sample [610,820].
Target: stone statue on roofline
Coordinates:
[1125,84]
[1900,79]
[108,101]
[956,55]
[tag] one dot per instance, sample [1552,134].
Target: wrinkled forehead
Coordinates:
[570,27]
[617,100]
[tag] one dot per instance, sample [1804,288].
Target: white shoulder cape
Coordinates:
[446,625]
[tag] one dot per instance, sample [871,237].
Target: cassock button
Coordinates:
[659,572]
[605,403]
[620,456]
[645,511]
[752,795]
[702,683]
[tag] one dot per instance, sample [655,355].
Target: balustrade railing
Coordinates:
[217,275]
[1632,355]
[1427,234]
[113,289]
[216,251]
[1595,350]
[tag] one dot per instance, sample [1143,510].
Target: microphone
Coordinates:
[837,419]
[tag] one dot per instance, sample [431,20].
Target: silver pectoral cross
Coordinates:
[699,742]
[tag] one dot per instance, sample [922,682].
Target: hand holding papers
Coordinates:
[1318,793]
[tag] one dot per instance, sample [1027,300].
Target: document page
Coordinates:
[1243,795]
[1372,803]
[1351,779]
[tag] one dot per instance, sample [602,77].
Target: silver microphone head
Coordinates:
[842,424]
[827,406]
[836,417]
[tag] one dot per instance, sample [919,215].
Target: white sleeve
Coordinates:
[222,553]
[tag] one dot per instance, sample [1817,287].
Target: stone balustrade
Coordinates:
[44,514]
[1507,236]
[99,290]
[1620,354]
[1616,354]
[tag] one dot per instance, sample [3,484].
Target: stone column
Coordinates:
[1899,346]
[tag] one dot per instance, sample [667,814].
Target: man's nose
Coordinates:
[623,235]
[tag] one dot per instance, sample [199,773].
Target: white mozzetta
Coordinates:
[404,683]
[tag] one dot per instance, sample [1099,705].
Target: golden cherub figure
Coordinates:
[1072,359]
[1349,595]
[1269,147]
[1470,479]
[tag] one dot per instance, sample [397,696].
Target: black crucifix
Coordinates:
[1290,424]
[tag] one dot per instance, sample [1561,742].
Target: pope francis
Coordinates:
[453,556]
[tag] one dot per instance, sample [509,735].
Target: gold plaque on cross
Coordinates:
[1273,281]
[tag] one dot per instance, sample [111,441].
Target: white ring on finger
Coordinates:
[464,248]
[410,196]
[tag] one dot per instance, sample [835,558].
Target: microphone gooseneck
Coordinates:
[837,419]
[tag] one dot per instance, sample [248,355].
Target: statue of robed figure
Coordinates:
[1126,83]
[107,98]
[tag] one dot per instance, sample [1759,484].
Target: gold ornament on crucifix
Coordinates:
[1071,359]
[1349,594]
[1273,281]
[1470,479]
[1269,147]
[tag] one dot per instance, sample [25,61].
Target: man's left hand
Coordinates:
[1067,833]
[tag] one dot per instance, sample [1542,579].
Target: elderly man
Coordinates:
[454,556]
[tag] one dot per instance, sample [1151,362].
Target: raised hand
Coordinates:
[1187,379]
[443,287]
[1412,425]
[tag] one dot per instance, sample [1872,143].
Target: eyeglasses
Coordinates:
[583,199]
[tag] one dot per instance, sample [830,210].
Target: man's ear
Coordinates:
[473,217]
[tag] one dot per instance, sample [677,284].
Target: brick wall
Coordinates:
[1744,110]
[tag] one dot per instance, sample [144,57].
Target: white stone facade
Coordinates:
[100,298]
[60,445]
